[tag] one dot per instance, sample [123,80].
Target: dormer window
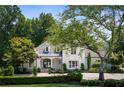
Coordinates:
[46,49]
[57,49]
[73,50]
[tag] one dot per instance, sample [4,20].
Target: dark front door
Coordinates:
[46,63]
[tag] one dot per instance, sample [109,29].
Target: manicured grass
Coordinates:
[43,85]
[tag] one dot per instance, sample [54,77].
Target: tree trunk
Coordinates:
[101,71]
[101,75]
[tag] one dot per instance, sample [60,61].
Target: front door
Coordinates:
[46,63]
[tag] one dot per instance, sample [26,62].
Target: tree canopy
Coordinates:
[8,18]
[21,51]
[16,30]
[96,27]
[40,27]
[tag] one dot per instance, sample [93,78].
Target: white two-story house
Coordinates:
[52,56]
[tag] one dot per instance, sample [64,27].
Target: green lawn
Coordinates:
[43,85]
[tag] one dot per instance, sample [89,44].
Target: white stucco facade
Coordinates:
[49,56]
[79,57]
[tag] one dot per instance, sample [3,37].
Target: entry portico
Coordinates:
[49,62]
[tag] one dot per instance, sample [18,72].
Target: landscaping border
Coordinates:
[9,80]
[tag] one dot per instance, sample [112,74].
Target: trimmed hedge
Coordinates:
[91,82]
[110,83]
[114,83]
[35,80]
[105,83]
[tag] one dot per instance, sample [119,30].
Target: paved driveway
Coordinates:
[89,76]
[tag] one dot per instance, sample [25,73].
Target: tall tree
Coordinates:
[96,27]
[40,27]
[8,18]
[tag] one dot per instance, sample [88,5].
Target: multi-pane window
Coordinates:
[73,64]
[73,50]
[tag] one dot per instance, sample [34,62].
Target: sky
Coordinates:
[30,11]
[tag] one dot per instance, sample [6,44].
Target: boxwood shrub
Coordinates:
[75,75]
[35,80]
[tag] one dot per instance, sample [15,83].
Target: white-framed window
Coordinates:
[73,64]
[73,50]
[46,49]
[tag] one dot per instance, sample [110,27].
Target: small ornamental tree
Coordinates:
[82,67]
[88,61]
[34,71]
[64,67]
[21,51]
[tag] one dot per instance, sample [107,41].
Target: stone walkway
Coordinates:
[89,76]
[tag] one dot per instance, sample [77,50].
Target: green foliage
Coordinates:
[90,82]
[119,50]
[82,66]
[122,65]
[35,29]
[115,62]
[11,71]
[8,17]
[38,70]
[120,83]
[116,69]
[8,71]
[54,70]
[40,27]
[75,75]
[1,71]
[50,70]
[94,70]
[23,28]
[64,67]
[35,80]
[21,51]
[105,83]
[22,71]
[34,71]
[110,83]
[86,25]
[96,65]
[88,61]
[14,24]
